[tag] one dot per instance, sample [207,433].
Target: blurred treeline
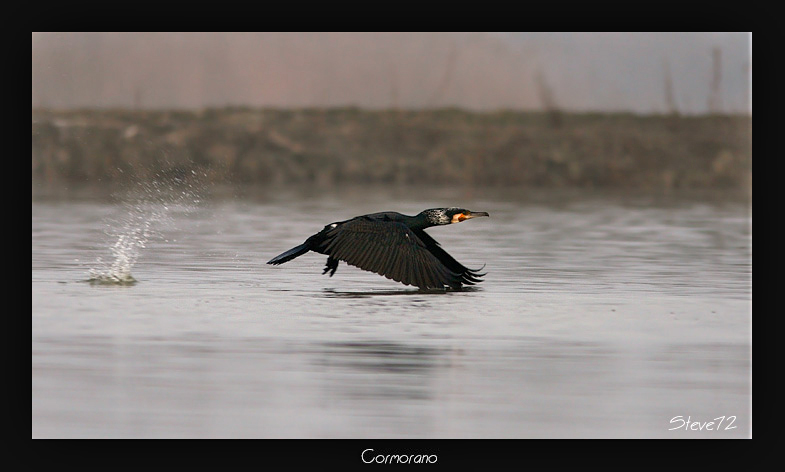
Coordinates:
[349,145]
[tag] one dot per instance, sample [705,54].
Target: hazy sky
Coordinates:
[480,71]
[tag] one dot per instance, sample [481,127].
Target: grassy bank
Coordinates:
[347,145]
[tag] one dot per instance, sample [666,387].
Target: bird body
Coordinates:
[393,245]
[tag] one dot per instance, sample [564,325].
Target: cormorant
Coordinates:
[393,245]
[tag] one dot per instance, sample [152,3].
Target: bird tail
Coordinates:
[290,254]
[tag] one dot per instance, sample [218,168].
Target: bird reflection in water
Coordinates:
[369,371]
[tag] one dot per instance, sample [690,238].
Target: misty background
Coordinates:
[689,73]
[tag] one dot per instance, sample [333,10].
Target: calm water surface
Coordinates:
[602,315]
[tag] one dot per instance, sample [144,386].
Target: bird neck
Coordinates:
[418,222]
[428,218]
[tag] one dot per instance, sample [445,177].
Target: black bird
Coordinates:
[393,245]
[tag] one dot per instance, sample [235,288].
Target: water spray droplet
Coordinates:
[148,210]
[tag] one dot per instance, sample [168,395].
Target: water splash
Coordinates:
[131,235]
[147,212]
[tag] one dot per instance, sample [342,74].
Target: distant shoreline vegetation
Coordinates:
[333,146]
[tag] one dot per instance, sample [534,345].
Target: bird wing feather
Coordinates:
[468,276]
[390,249]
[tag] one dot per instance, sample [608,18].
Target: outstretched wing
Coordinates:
[390,249]
[468,276]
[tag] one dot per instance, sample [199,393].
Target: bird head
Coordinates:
[446,216]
